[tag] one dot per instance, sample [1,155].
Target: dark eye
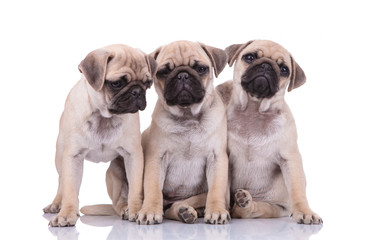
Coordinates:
[201,69]
[117,85]
[148,83]
[164,71]
[249,58]
[284,71]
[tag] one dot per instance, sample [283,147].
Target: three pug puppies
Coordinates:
[186,163]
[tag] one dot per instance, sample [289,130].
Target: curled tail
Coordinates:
[98,210]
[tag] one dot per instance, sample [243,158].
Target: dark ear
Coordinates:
[94,67]
[233,51]
[156,52]
[298,77]
[217,56]
[152,64]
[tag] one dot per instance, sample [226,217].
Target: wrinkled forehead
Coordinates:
[270,50]
[128,60]
[182,53]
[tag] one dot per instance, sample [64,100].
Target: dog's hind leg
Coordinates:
[185,211]
[245,207]
[117,187]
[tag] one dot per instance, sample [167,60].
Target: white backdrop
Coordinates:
[42,43]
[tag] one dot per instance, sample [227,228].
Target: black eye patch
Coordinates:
[117,85]
[164,71]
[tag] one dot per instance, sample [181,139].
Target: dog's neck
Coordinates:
[241,99]
[96,102]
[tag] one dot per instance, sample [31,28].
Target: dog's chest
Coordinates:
[254,151]
[102,135]
[254,128]
[188,129]
[101,129]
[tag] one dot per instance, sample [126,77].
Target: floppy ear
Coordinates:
[233,51]
[155,54]
[94,67]
[152,64]
[217,56]
[298,77]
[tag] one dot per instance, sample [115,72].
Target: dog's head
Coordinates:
[118,77]
[264,67]
[185,72]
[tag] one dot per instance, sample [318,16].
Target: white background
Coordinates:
[42,43]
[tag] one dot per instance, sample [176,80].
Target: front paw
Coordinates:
[64,219]
[306,217]
[150,215]
[52,208]
[216,216]
[133,212]
[132,215]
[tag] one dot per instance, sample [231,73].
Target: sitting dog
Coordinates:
[100,123]
[266,174]
[186,164]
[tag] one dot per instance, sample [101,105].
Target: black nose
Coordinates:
[266,67]
[183,76]
[136,91]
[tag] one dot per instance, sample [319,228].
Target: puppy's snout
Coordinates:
[266,67]
[183,76]
[260,84]
[136,91]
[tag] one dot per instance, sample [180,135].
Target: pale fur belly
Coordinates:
[101,155]
[257,170]
[255,177]
[184,177]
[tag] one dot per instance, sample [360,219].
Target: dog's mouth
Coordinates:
[260,87]
[183,90]
[130,102]
[131,109]
[260,83]
[184,99]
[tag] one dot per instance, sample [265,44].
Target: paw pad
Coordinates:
[242,198]
[187,215]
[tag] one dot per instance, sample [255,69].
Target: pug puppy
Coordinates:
[266,173]
[186,165]
[100,123]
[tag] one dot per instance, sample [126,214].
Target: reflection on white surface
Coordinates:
[91,226]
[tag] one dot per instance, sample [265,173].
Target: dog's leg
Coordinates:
[184,211]
[117,187]
[295,180]
[55,206]
[152,210]
[245,207]
[134,165]
[217,176]
[71,176]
